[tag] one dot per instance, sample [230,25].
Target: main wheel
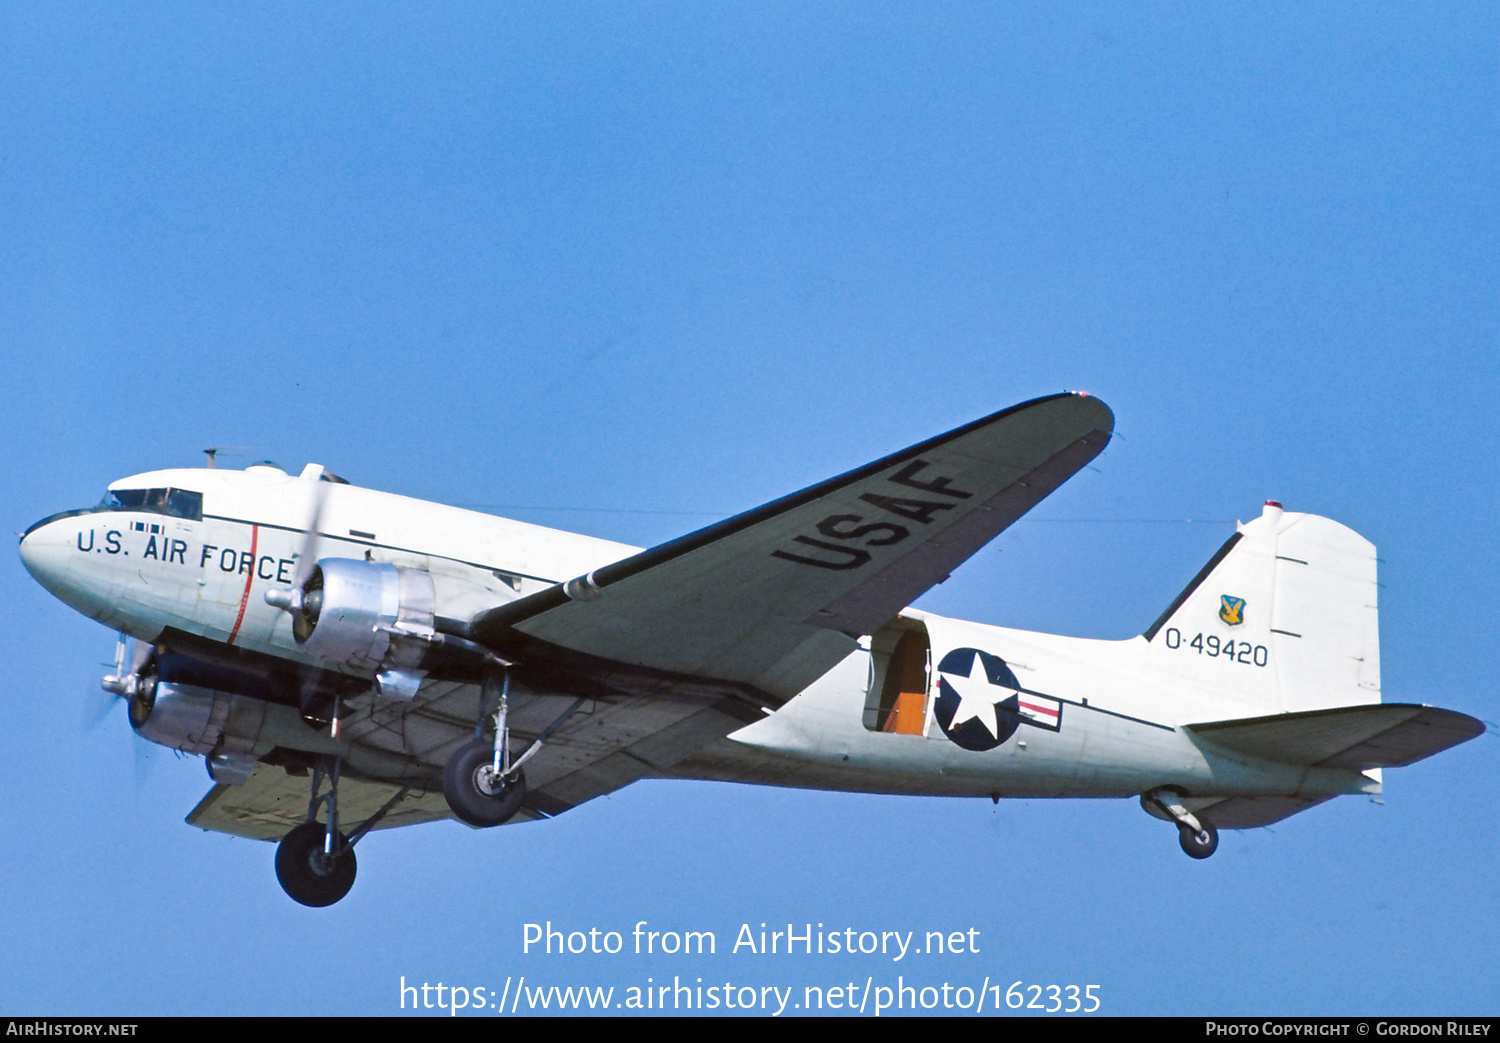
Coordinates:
[475,792]
[306,874]
[1198,845]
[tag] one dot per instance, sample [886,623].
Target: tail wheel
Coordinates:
[1198,843]
[476,793]
[309,876]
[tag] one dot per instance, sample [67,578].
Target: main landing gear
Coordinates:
[484,787]
[1197,836]
[480,792]
[315,862]
[308,872]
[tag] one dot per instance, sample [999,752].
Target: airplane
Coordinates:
[346,657]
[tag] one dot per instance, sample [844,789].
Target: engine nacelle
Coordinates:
[193,719]
[367,616]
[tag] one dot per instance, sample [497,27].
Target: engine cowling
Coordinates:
[172,711]
[369,617]
[223,726]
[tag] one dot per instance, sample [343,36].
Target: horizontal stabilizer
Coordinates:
[1388,735]
[1249,812]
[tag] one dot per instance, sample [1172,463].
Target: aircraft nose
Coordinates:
[44,552]
[66,553]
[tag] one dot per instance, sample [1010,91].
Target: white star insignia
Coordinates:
[976,698]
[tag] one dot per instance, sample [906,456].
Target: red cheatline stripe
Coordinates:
[245,597]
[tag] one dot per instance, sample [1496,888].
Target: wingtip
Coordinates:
[1109,424]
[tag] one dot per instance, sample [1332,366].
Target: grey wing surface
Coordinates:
[601,744]
[765,602]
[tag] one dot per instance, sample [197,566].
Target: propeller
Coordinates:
[95,707]
[302,604]
[131,657]
[294,599]
[128,682]
[307,558]
[100,699]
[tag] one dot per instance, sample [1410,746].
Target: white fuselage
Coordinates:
[1119,705]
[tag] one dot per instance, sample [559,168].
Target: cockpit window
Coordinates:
[123,499]
[184,504]
[175,503]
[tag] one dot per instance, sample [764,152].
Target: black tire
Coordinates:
[472,795]
[305,875]
[1196,845]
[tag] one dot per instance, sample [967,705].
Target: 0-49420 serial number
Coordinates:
[1228,648]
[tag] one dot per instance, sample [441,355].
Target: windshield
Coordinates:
[176,503]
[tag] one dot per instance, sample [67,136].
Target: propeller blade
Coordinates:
[143,755]
[138,654]
[115,682]
[307,557]
[95,706]
[131,657]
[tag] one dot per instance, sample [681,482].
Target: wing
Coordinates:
[271,802]
[766,602]
[592,746]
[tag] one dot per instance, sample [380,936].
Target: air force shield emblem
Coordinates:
[1231,609]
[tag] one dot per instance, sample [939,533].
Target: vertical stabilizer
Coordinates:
[1283,617]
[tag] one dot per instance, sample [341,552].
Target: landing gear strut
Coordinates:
[315,862]
[482,786]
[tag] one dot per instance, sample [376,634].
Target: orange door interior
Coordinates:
[903,697]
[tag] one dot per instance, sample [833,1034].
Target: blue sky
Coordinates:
[626,269]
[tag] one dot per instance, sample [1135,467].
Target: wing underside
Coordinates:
[592,747]
[272,802]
